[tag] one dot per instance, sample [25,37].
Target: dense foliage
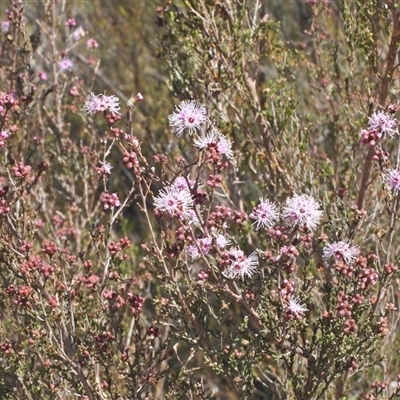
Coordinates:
[199,200]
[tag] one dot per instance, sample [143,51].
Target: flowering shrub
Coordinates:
[242,245]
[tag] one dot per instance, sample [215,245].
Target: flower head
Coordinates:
[188,115]
[240,264]
[224,147]
[175,201]
[181,183]
[217,139]
[302,210]
[265,214]
[100,103]
[105,168]
[393,180]
[65,64]
[78,33]
[383,123]
[202,247]
[294,307]
[3,136]
[341,250]
[222,241]
[42,75]
[379,123]
[92,43]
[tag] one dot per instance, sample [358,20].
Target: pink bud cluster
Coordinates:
[23,295]
[103,340]
[135,303]
[286,289]
[116,247]
[35,263]
[130,160]
[49,248]
[90,281]
[110,200]
[21,170]
[6,349]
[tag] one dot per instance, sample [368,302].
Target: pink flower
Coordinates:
[379,123]
[65,64]
[393,180]
[224,147]
[383,123]
[241,265]
[302,210]
[21,170]
[201,248]
[100,103]
[265,214]
[139,97]
[181,183]
[174,201]
[74,91]
[189,115]
[205,139]
[105,169]
[42,75]
[222,241]
[341,250]
[5,26]
[4,207]
[3,136]
[92,44]
[70,22]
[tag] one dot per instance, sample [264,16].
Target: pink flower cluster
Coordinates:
[379,124]
[3,136]
[110,200]
[191,115]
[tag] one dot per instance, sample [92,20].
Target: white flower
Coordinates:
[302,210]
[222,144]
[241,265]
[382,123]
[176,202]
[188,115]
[222,241]
[393,180]
[78,33]
[294,307]
[341,250]
[107,167]
[100,103]
[265,214]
